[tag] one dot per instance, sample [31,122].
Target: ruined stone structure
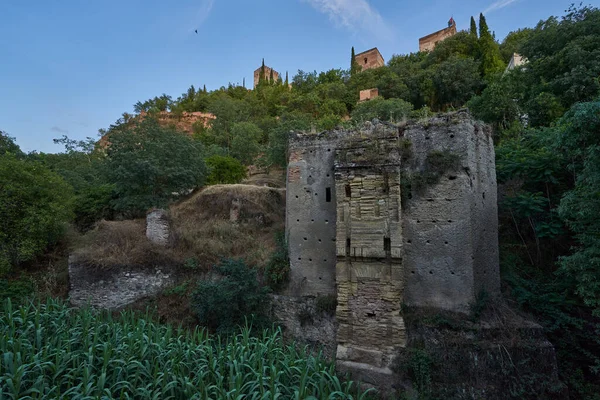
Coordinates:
[368,94]
[267,75]
[515,61]
[370,59]
[428,43]
[389,215]
[157,227]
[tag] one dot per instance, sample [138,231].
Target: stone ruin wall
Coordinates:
[370,59]
[310,215]
[369,268]
[368,94]
[355,228]
[428,43]
[267,75]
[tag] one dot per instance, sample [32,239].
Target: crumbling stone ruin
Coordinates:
[391,216]
[157,227]
[428,43]
[368,94]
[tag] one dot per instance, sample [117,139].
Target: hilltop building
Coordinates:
[515,61]
[370,59]
[268,71]
[428,43]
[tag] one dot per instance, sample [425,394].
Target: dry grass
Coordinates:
[202,228]
[118,243]
[274,178]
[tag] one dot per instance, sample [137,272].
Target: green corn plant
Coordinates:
[52,351]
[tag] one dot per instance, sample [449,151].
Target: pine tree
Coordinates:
[473,27]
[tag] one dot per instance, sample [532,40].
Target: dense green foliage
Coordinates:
[232,300]
[150,165]
[224,169]
[277,270]
[545,117]
[52,351]
[35,204]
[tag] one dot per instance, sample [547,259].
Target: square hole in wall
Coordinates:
[328,195]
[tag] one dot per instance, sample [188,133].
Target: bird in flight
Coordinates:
[196,30]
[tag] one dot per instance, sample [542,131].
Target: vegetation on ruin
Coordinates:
[545,117]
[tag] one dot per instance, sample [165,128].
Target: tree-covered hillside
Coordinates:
[546,121]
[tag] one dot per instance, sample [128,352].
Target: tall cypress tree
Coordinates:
[353,65]
[484,31]
[204,89]
[473,30]
[491,60]
[244,82]
[271,78]
[261,76]
[287,82]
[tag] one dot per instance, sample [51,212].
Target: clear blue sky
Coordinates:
[74,66]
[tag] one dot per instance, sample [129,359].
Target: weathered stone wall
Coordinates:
[369,271]
[448,235]
[428,43]
[370,59]
[368,94]
[411,218]
[157,227]
[310,214]
[450,227]
[114,288]
[267,75]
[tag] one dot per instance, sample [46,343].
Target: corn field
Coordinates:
[50,351]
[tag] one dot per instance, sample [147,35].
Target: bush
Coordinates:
[232,301]
[277,270]
[224,169]
[385,110]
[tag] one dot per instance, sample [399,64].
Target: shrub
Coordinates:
[277,270]
[385,110]
[224,169]
[235,299]
[327,304]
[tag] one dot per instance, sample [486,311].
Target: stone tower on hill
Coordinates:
[369,59]
[267,75]
[428,43]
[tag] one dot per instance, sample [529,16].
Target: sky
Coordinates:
[71,67]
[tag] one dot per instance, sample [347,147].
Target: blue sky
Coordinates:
[74,66]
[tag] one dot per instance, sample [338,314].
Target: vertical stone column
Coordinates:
[369,270]
[310,214]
